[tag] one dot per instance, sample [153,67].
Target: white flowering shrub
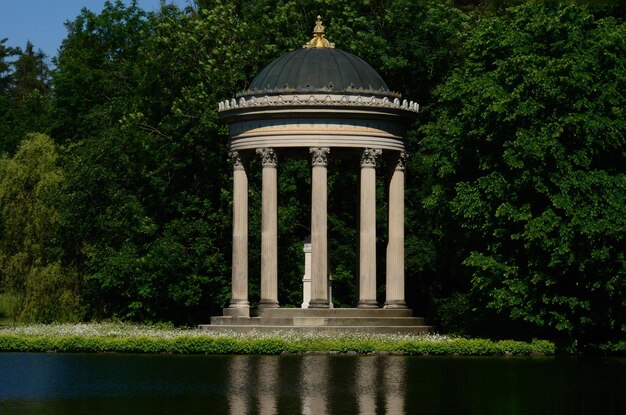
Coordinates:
[132,338]
[138,330]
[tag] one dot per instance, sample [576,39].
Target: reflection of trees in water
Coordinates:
[317,384]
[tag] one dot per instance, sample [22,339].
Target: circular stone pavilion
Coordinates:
[319,102]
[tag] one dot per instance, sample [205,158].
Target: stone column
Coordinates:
[239,305]
[395,244]
[319,235]
[367,245]
[269,230]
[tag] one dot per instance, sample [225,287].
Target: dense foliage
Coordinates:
[528,149]
[120,207]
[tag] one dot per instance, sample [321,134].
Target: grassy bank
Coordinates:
[126,338]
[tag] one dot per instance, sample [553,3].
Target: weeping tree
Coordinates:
[38,285]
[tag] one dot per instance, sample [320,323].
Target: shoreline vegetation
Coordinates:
[132,338]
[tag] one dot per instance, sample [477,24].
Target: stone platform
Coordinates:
[331,320]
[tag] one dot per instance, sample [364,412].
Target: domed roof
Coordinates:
[319,67]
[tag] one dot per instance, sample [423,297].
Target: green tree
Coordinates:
[149,213]
[5,83]
[30,73]
[5,66]
[96,69]
[40,286]
[24,103]
[526,157]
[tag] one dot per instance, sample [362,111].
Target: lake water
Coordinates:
[308,384]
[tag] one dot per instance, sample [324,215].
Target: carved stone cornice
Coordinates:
[281,98]
[319,156]
[237,159]
[370,156]
[268,157]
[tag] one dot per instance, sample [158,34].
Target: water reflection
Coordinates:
[268,384]
[313,384]
[238,381]
[52,384]
[365,386]
[394,377]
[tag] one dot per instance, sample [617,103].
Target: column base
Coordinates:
[367,304]
[268,304]
[236,312]
[395,304]
[319,304]
[239,304]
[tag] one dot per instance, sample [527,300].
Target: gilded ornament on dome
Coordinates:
[319,38]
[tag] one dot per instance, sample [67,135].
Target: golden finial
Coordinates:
[319,38]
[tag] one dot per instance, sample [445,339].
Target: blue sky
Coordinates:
[42,21]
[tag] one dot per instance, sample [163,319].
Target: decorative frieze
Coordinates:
[268,156]
[319,156]
[370,156]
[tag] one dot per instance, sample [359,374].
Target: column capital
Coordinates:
[319,156]
[401,160]
[370,156]
[238,160]
[268,156]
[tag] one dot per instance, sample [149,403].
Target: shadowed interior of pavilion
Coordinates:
[319,102]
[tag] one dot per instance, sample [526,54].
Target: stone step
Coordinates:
[342,321]
[317,329]
[233,321]
[319,321]
[334,312]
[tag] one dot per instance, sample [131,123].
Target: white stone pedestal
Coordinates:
[306,280]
